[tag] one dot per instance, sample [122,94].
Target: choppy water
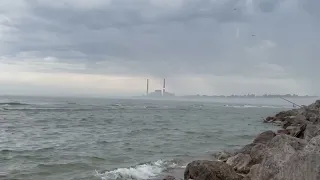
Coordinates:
[80,139]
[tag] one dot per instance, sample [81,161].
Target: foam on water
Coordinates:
[139,172]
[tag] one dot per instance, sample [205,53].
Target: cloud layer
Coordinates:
[213,46]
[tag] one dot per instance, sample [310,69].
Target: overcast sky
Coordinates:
[110,47]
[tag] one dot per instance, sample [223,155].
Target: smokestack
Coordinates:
[164,87]
[147,87]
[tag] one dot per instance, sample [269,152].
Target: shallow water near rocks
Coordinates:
[114,139]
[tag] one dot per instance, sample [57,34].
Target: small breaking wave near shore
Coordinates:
[139,172]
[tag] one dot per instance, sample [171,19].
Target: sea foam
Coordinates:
[139,172]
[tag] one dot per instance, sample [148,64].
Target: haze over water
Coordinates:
[81,138]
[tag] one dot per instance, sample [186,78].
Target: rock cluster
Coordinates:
[292,153]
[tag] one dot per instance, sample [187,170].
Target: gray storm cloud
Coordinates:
[167,38]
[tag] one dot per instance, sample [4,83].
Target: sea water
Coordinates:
[115,139]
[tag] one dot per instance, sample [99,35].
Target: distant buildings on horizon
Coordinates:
[163,93]
[159,92]
[249,96]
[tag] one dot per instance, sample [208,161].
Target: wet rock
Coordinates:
[304,164]
[257,153]
[270,119]
[210,170]
[264,137]
[311,131]
[240,163]
[278,123]
[223,155]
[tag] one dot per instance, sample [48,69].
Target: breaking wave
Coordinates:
[139,172]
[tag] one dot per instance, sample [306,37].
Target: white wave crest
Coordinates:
[139,172]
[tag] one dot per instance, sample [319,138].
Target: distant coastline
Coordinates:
[251,96]
[230,96]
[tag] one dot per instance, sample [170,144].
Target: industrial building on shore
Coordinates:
[159,92]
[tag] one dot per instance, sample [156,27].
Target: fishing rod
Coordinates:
[291,102]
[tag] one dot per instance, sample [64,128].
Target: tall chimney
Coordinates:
[147,87]
[164,87]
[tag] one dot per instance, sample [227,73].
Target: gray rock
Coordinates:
[311,131]
[313,145]
[269,119]
[304,164]
[264,137]
[274,159]
[294,121]
[278,123]
[210,170]
[257,153]
[240,163]
[223,155]
[283,114]
[246,149]
[278,151]
[280,140]
[298,132]
[253,172]
[283,131]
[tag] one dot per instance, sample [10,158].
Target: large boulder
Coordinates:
[254,173]
[210,170]
[278,151]
[311,131]
[257,153]
[315,119]
[304,164]
[282,139]
[240,163]
[294,121]
[297,131]
[283,114]
[264,137]
[246,149]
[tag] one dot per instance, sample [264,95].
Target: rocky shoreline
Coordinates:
[291,153]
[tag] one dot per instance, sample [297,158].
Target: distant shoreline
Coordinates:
[222,97]
[249,96]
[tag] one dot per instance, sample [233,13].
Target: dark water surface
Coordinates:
[78,139]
